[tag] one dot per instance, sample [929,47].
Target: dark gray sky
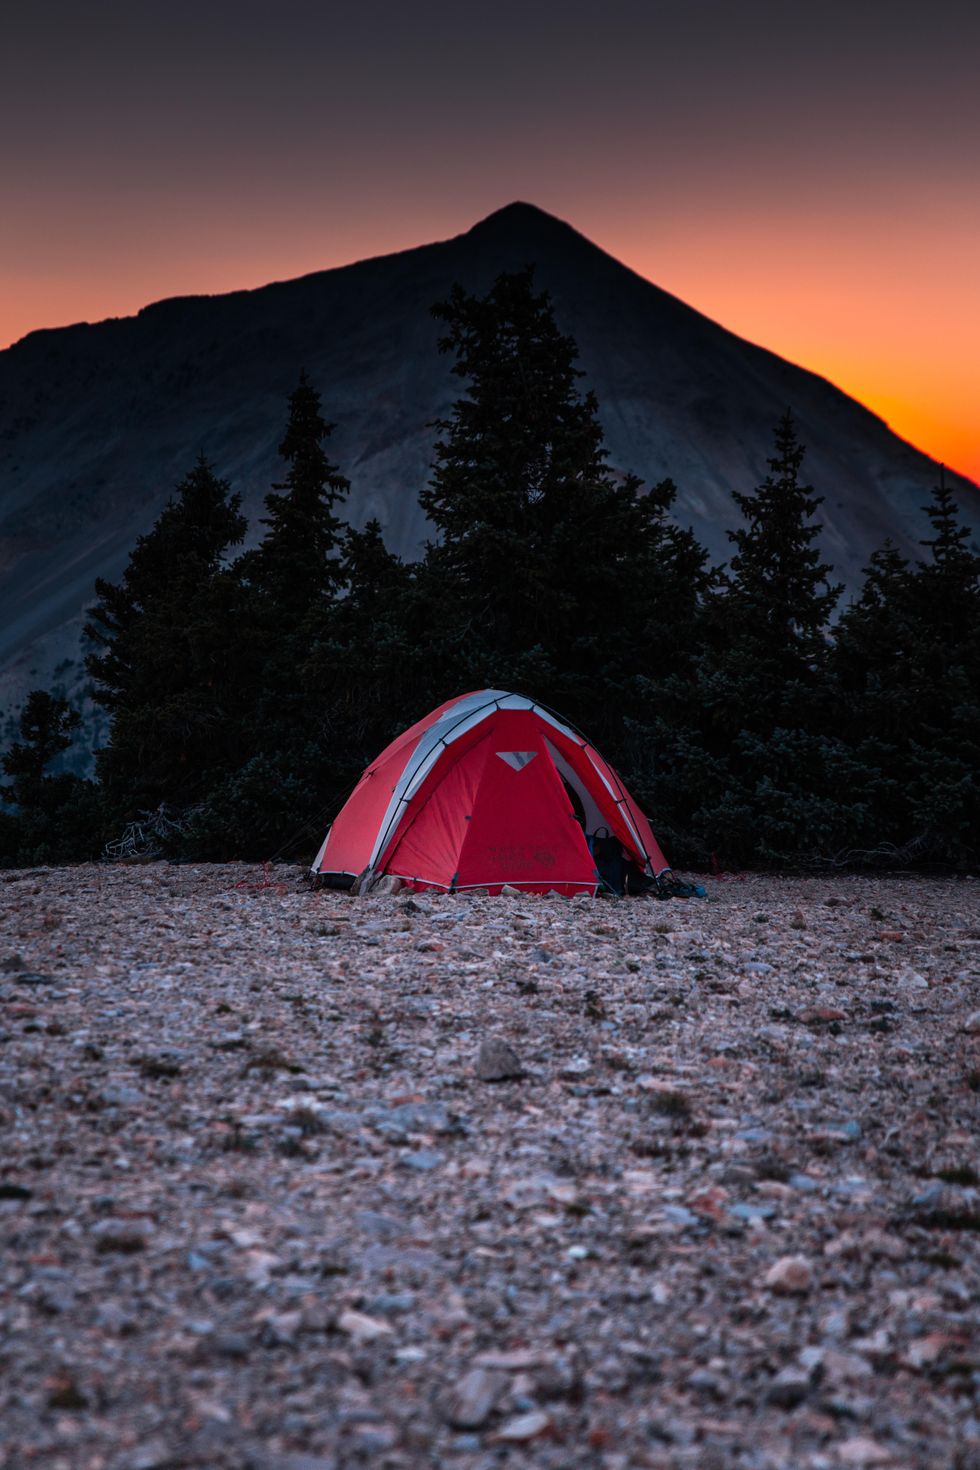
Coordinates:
[807,174]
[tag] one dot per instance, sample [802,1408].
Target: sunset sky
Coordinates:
[808,175]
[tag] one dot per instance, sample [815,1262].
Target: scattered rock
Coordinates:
[65,1393]
[129,1097]
[363,1328]
[10,1190]
[523,1427]
[790,1276]
[497,1061]
[472,1400]
[789,1388]
[232,1345]
[307,1221]
[422,1159]
[153,1454]
[923,1351]
[125,1236]
[862,1451]
[518,1361]
[280,1328]
[816,1015]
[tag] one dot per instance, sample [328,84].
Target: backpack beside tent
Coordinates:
[488,790]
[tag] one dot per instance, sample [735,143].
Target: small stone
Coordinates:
[497,1061]
[508,891]
[709,1385]
[154,1454]
[832,1134]
[64,1393]
[863,1451]
[752,1210]
[816,1014]
[789,1388]
[10,1190]
[280,1329]
[114,1097]
[842,1369]
[472,1400]
[577,1067]
[518,1361]
[882,1243]
[803,1183]
[923,1351]
[524,1427]
[124,1236]
[680,1215]
[361,1327]
[422,1159]
[790,1276]
[232,1345]
[972,1024]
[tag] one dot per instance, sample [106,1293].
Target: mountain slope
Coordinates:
[98,422]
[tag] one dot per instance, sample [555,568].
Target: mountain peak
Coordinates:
[519,216]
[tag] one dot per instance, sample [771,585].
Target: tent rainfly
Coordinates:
[488,790]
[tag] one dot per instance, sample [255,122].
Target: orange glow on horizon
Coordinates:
[915,365]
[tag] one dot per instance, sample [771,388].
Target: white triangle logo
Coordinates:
[517,759]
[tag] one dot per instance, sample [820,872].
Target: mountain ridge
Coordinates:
[98,421]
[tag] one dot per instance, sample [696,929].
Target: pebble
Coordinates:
[472,1400]
[523,1427]
[861,1451]
[497,1061]
[789,1388]
[361,1327]
[790,1275]
[121,1097]
[154,1454]
[422,1159]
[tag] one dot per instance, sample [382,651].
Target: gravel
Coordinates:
[720,1205]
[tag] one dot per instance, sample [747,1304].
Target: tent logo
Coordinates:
[517,759]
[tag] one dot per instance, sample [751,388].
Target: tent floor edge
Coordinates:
[340,882]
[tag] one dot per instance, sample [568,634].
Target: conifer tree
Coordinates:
[743,758]
[550,571]
[57,817]
[296,566]
[364,654]
[165,638]
[780,599]
[291,581]
[907,663]
[288,588]
[47,725]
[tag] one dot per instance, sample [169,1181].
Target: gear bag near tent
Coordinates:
[491,790]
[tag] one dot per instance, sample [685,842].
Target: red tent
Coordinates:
[488,789]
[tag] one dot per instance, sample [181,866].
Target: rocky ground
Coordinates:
[273,1195]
